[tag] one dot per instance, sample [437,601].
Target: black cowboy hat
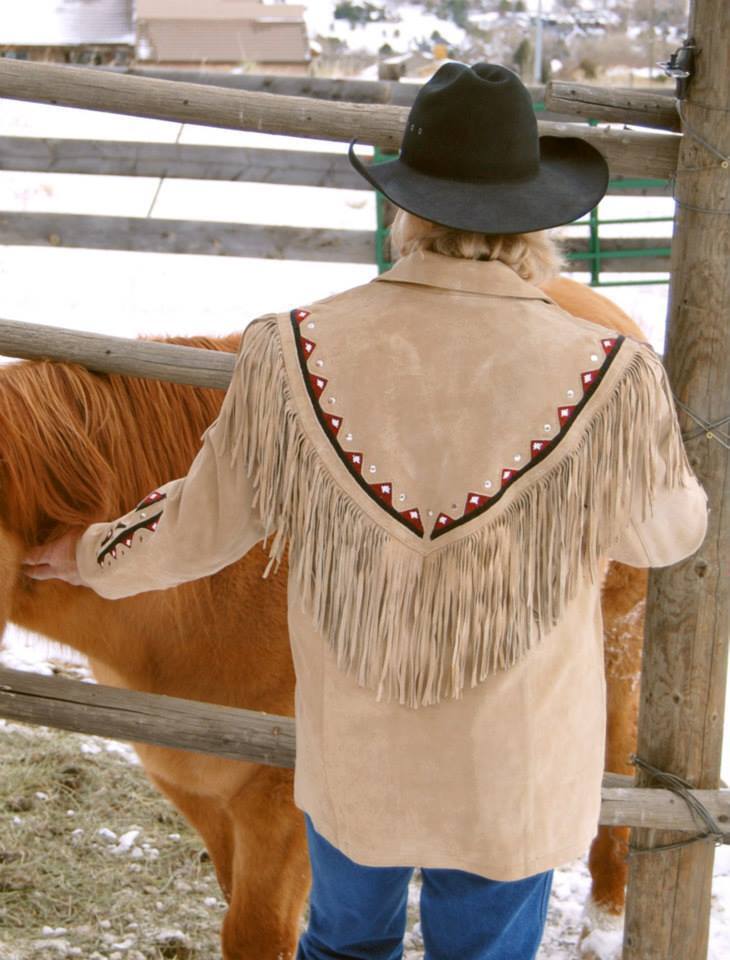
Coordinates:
[471,158]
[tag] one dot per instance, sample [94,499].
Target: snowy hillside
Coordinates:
[580,38]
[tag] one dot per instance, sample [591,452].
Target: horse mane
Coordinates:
[80,447]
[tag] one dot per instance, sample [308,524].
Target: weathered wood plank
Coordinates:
[255,737]
[196,162]
[684,667]
[659,809]
[246,240]
[147,718]
[317,88]
[182,236]
[104,354]
[627,152]
[191,161]
[613,105]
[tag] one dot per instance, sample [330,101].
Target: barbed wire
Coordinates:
[713,832]
[689,130]
[708,429]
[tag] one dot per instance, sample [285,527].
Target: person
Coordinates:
[451,460]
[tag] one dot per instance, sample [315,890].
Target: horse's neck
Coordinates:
[125,636]
[233,651]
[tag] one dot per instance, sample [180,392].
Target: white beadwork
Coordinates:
[430,513]
[594,357]
[319,363]
[547,428]
[571,394]
[331,400]
[401,496]
[488,484]
[372,468]
[348,437]
[310,325]
[517,457]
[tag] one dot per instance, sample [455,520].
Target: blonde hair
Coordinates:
[533,256]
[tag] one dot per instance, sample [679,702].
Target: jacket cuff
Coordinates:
[86,553]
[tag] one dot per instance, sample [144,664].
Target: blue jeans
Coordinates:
[359,913]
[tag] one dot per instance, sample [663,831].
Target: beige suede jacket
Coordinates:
[450,457]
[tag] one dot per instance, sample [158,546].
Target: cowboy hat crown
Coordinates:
[471,158]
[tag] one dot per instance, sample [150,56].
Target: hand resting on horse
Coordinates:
[54,561]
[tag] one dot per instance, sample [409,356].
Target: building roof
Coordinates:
[217,10]
[66,23]
[221,31]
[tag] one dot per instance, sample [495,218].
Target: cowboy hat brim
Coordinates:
[571,179]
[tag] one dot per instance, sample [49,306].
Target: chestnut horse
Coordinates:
[79,447]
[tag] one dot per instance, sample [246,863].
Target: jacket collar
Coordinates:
[490,277]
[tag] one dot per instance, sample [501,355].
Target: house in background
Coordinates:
[184,33]
[68,31]
[222,33]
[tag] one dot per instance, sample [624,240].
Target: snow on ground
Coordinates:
[571,883]
[129,294]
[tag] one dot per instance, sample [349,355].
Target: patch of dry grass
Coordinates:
[93,862]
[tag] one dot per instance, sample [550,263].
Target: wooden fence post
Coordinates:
[688,620]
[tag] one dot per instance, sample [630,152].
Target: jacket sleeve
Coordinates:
[675,525]
[188,528]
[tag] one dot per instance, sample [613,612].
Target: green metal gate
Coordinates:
[596,259]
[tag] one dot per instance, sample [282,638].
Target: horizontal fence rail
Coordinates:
[104,354]
[613,105]
[247,735]
[176,160]
[629,153]
[393,92]
[207,238]
[316,88]
[147,718]
[202,162]
[214,238]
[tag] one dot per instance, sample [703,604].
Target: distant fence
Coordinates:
[291,167]
[239,165]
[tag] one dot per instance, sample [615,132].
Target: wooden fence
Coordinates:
[631,153]
[380,110]
[238,734]
[232,164]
